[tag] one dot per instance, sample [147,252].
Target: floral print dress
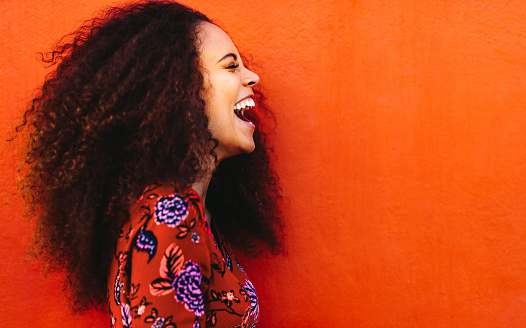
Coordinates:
[169,271]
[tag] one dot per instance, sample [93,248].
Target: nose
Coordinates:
[250,79]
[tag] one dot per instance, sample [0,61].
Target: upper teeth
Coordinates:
[245,104]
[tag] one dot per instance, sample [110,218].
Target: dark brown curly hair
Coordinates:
[121,109]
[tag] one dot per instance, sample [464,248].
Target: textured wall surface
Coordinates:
[401,143]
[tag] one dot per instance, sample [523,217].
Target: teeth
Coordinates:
[245,104]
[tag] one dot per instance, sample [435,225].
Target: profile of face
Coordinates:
[227,91]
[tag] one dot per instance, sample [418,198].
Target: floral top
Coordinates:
[169,271]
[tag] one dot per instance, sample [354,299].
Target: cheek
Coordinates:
[222,92]
[228,88]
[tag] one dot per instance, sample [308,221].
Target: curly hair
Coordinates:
[121,109]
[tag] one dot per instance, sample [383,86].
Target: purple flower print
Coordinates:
[171,210]
[159,322]
[117,290]
[146,242]
[240,268]
[254,306]
[228,261]
[187,286]
[126,316]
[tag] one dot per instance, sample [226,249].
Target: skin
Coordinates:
[224,86]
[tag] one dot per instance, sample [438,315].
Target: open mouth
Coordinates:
[242,106]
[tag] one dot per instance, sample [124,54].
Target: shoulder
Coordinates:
[159,189]
[167,203]
[168,217]
[165,212]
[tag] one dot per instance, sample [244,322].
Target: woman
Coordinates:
[148,117]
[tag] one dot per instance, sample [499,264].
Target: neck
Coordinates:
[201,186]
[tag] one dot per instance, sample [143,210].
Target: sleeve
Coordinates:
[170,261]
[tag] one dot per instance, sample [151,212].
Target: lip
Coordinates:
[249,123]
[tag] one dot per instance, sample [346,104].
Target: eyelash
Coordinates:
[233,66]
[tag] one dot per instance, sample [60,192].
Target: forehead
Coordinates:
[214,43]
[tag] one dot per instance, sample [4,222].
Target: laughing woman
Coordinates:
[145,164]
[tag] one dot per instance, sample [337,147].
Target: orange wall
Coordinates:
[401,145]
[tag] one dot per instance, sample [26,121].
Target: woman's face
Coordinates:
[227,92]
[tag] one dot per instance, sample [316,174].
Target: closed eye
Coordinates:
[233,66]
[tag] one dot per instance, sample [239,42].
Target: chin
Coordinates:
[241,149]
[244,150]
[248,151]
[249,147]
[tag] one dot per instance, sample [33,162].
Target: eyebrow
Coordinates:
[228,55]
